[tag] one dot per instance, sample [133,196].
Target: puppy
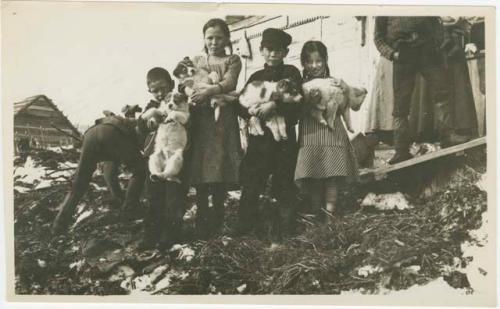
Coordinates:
[171,137]
[129,111]
[191,78]
[332,96]
[266,94]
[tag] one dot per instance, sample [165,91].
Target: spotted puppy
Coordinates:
[259,93]
[191,78]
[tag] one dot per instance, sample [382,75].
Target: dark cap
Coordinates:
[275,38]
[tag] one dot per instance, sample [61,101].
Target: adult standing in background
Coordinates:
[413,45]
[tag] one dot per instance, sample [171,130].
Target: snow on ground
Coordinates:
[480,266]
[482,183]
[367,270]
[147,284]
[476,270]
[30,172]
[85,214]
[41,177]
[387,201]
[185,252]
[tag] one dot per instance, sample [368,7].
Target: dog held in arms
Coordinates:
[191,78]
[257,93]
[171,138]
[332,96]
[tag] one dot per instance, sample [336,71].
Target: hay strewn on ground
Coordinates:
[361,249]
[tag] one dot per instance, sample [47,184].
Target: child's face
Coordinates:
[215,41]
[315,65]
[273,56]
[159,89]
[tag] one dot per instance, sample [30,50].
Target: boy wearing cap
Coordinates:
[266,157]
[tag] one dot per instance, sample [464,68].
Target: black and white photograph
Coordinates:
[156,150]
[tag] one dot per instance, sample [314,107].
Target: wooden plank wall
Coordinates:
[477,77]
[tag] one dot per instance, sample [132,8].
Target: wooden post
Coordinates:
[479,97]
[42,138]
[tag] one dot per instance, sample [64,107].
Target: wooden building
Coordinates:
[38,120]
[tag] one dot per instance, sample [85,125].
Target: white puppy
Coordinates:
[171,137]
[335,97]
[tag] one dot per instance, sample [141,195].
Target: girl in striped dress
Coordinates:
[326,156]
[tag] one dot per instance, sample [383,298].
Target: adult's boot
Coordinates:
[401,140]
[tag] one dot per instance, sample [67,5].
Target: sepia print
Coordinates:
[165,150]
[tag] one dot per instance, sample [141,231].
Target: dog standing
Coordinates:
[171,137]
[335,97]
[257,93]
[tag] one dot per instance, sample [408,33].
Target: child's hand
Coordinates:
[152,124]
[265,109]
[200,95]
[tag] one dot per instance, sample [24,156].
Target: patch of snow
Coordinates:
[77,265]
[98,188]
[62,174]
[82,216]
[241,288]
[21,189]
[55,149]
[236,195]
[482,182]
[225,240]
[367,270]
[476,270]
[68,164]
[163,283]
[479,268]
[80,208]
[41,263]
[121,273]
[143,285]
[185,252]
[44,184]
[30,172]
[387,201]
[414,269]
[190,214]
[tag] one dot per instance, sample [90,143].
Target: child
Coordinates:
[112,140]
[325,155]
[265,156]
[215,148]
[165,198]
